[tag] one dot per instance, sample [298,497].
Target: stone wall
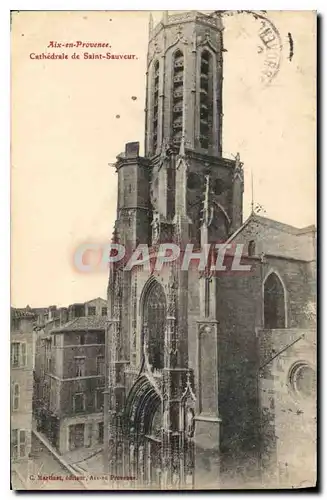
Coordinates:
[288,416]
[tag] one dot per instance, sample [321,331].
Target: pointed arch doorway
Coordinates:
[144,423]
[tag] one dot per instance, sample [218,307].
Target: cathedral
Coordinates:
[200,365]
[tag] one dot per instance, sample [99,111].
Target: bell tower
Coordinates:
[184,119]
[184,83]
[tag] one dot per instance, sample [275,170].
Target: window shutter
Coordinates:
[16,397]
[22,443]
[23,354]
[15,354]
[14,443]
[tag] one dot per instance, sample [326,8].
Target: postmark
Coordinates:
[269,43]
[272,46]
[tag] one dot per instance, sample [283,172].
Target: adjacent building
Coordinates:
[21,384]
[69,376]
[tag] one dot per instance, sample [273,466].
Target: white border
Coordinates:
[5,157]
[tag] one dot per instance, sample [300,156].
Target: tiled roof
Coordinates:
[82,324]
[281,226]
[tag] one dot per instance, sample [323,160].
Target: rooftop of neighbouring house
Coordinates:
[82,324]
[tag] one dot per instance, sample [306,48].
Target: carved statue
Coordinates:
[131,453]
[173,356]
[155,228]
[238,163]
[207,211]
[190,422]
[238,171]
[166,419]
[140,454]
[165,152]
[206,329]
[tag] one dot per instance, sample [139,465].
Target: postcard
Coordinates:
[163,260]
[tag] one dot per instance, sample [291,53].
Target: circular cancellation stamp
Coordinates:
[270,43]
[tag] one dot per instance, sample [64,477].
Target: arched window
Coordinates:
[303,380]
[155,104]
[251,248]
[206,100]
[178,86]
[274,303]
[154,317]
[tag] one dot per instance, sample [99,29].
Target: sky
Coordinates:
[66,132]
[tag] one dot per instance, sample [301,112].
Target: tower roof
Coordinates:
[209,18]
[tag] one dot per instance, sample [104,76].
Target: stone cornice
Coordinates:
[139,160]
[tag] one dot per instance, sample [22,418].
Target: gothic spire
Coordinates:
[165,17]
[115,233]
[207,212]
[150,23]
[182,148]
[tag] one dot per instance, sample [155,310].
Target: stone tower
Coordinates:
[184,83]
[182,191]
[184,118]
